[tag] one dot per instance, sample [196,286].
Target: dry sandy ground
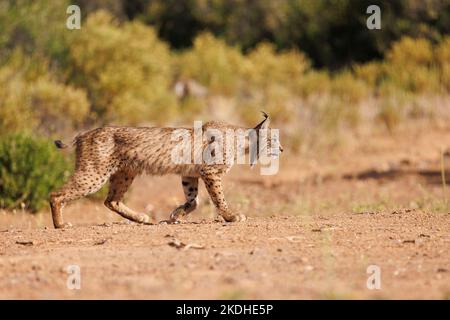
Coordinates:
[313,230]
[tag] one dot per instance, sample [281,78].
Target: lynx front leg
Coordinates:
[190,188]
[213,183]
[119,184]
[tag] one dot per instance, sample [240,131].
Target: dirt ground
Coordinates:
[313,231]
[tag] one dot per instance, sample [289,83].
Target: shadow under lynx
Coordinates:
[119,154]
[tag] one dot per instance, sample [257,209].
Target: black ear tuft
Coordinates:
[265,114]
[265,123]
[60,145]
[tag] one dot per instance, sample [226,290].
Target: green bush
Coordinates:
[268,66]
[125,69]
[372,73]
[35,26]
[30,168]
[30,98]
[313,83]
[410,65]
[213,63]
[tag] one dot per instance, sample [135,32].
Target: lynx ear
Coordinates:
[265,123]
[254,143]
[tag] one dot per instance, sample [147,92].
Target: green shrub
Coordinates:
[372,73]
[410,64]
[30,168]
[213,63]
[126,70]
[36,26]
[272,82]
[348,88]
[269,67]
[411,52]
[31,99]
[313,83]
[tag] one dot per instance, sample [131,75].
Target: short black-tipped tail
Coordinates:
[60,145]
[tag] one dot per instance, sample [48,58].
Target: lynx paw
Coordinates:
[65,225]
[145,219]
[177,213]
[234,217]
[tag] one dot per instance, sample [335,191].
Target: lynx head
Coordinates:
[267,140]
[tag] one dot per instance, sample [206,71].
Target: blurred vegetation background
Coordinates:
[312,65]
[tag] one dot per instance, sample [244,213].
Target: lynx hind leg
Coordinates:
[119,184]
[190,189]
[81,184]
[213,183]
